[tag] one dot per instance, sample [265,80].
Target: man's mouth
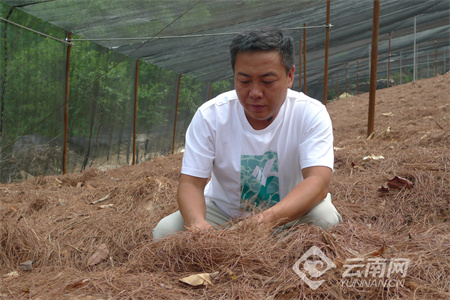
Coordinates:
[256,107]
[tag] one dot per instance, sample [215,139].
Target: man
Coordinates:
[262,145]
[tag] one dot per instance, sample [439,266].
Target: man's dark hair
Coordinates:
[264,40]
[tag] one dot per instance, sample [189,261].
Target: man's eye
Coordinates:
[244,81]
[268,82]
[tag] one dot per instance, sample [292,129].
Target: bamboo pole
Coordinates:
[136,89]
[176,114]
[304,58]
[66,104]
[300,68]
[373,69]
[327,46]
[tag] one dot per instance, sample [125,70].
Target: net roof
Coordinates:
[191,37]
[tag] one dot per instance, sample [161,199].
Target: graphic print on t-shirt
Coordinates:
[259,180]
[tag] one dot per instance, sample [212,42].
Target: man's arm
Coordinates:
[303,197]
[191,202]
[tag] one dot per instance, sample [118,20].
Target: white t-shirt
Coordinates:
[257,167]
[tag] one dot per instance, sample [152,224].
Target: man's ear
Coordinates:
[290,76]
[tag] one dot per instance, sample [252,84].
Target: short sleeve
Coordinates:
[199,151]
[316,146]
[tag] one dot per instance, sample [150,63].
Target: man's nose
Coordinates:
[256,91]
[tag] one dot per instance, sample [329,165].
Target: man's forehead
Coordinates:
[265,61]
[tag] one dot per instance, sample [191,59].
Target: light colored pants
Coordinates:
[323,214]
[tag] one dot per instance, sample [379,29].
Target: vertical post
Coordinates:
[387,73]
[210,90]
[327,46]
[346,78]
[300,68]
[428,65]
[304,58]
[357,76]
[136,87]
[389,61]
[373,69]
[414,53]
[66,104]
[401,67]
[417,62]
[337,83]
[176,114]
[435,57]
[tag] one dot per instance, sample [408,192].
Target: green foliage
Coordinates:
[101,89]
[222,86]
[34,79]
[101,86]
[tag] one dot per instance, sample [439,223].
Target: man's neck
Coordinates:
[260,124]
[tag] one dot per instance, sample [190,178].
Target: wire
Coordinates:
[32,30]
[188,35]
[100,76]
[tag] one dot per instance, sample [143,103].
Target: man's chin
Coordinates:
[258,116]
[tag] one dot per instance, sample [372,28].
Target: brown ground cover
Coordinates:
[60,222]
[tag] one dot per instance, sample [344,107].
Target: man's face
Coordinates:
[261,84]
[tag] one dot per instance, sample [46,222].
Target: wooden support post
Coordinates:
[389,61]
[346,78]
[435,57]
[357,76]
[300,68]
[337,84]
[327,46]
[66,104]
[401,67]
[373,67]
[210,90]
[414,55]
[136,88]
[176,114]
[304,58]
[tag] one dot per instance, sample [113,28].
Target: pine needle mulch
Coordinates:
[89,235]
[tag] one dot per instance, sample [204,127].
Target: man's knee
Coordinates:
[168,225]
[325,214]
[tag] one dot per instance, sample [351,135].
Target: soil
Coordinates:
[89,235]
